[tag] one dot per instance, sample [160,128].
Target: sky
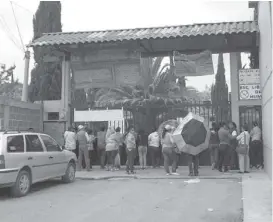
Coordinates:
[119,14]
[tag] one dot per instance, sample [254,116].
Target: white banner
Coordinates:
[193,65]
[98,115]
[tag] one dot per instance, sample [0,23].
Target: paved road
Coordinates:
[127,200]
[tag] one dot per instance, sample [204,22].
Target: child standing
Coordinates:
[130,142]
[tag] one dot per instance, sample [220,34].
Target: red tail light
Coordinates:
[2,162]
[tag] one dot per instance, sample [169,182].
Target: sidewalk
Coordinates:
[257,197]
[256,186]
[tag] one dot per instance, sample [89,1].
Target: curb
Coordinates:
[159,177]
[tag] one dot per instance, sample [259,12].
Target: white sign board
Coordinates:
[98,115]
[248,92]
[249,76]
[249,84]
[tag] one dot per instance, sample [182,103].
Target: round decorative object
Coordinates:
[192,135]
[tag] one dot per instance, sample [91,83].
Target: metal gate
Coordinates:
[249,115]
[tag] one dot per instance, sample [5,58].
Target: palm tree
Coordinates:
[156,92]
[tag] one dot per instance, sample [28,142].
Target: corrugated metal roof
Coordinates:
[61,38]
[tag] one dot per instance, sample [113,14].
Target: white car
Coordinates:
[28,157]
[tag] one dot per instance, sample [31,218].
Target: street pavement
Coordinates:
[123,200]
[149,195]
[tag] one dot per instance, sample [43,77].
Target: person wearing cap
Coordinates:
[83,139]
[168,150]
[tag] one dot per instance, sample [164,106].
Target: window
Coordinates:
[15,144]
[34,144]
[53,116]
[50,144]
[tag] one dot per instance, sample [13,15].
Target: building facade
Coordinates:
[264,17]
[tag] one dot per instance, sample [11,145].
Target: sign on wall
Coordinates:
[249,84]
[93,77]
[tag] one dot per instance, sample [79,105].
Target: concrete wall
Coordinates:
[265,25]
[17,115]
[50,106]
[234,82]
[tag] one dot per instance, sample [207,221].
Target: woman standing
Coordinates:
[111,149]
[168,150]
[119,139]
[130,142]
[91,146]
[142,141]
[214,145]
[243,140]
[233,144]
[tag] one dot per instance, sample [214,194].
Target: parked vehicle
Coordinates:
[28,157]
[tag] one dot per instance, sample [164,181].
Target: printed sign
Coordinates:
[193,65]
[250,92]
[249,84]
[249,76]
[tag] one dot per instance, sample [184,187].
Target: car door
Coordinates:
[15,157]
[58,162]
[36,157]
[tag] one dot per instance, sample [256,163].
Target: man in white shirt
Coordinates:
[153,142]
[70,140]
[256,148]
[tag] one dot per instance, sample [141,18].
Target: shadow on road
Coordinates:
[38,187]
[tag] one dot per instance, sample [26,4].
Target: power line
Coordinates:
[15,3]
[9,34]
[18,29]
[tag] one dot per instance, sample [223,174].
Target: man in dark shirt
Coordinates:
[224,147]
[214,145]
[142,142]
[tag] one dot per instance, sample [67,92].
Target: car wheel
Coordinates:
[22,184]
[69,176]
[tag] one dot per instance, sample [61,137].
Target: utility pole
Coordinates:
[26,72]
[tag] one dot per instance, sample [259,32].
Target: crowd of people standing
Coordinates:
[225,147]
[231,150]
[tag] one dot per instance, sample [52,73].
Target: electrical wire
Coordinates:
[22,7]
[9,34]
[18,29]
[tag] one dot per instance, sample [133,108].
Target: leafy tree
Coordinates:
[46,78]
[9,87]
[219,92]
